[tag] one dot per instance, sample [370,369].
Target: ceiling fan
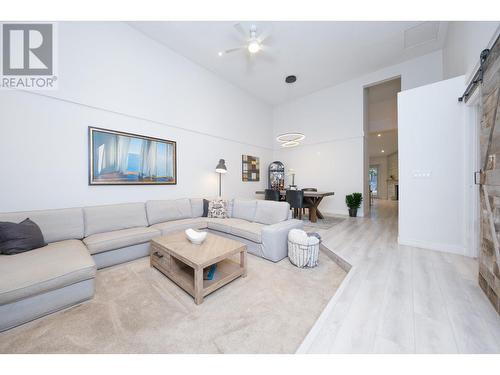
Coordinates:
[253,41]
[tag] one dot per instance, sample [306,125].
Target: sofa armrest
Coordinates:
[275,239]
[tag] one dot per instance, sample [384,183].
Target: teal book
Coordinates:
[211,272]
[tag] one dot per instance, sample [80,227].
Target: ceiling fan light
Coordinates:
[254,46]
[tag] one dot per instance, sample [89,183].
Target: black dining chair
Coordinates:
[296,200]
[306,203]
[272,195]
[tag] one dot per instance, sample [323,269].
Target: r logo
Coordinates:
[27,49]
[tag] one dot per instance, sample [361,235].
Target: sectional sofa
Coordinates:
[82,240]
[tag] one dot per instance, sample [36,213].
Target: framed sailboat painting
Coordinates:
[119,158]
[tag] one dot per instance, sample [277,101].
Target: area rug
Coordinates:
[326,223]
[138,310]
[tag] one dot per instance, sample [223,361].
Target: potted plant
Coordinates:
[353,201]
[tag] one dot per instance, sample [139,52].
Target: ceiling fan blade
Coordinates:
[250,58]
[264,36]
[265,47]
[234,49]
[241,30]
[267,57]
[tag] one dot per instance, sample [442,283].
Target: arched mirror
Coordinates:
[276,175]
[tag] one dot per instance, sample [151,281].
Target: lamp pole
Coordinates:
[220,184]
[220,169]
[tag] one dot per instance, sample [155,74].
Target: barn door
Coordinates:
[489,133]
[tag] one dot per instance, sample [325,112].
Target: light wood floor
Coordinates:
[401,299]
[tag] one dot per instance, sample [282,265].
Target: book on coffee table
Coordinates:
[209,272]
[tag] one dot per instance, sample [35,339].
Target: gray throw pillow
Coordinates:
[18,238]
[205,207]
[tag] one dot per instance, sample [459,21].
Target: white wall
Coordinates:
[114,77]
[331,157]
[432,139]
[464,42]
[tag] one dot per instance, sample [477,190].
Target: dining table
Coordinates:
[313,198]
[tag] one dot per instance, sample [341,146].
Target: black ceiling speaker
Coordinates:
[290,79]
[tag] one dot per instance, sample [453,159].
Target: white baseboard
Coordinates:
[447,248]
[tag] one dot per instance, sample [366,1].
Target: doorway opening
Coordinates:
[381,141]
[373,180]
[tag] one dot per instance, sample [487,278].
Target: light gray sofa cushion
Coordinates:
[270,212]
[54,266]
[244,209]
[100,219]
[230,205]
[99,242]
[224,225]
[250,231]
[160,211]
[27,309]
[196,207]
[56,225]
[176,225]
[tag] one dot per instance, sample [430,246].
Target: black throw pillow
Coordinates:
[18,238]
[205,208]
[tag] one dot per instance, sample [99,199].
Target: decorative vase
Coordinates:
[195,237]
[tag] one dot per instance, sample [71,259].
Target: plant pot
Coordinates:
[353,212]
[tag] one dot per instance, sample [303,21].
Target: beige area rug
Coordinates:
[322,224]
[138,310]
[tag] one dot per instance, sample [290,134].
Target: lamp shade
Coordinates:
[221,167]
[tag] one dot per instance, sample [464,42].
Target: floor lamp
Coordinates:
[221,169]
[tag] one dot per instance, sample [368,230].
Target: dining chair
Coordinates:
[306,203]
[296,200]
[272,195]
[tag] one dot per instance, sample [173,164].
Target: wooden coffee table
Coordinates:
[183,263]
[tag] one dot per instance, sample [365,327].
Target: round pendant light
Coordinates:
[290,139]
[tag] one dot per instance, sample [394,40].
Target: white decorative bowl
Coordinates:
[195,237]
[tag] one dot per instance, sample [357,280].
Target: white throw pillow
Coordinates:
[298,236]
[217,209]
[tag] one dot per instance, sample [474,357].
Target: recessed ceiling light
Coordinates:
[379,135]
[220,53]
[382,151]
[290,79]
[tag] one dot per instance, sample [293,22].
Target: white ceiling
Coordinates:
[383,105]
[388,141]
[320,54]
[384,91]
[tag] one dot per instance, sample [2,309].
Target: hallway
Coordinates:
[401,299]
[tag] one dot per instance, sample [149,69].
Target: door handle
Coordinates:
[479,181]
